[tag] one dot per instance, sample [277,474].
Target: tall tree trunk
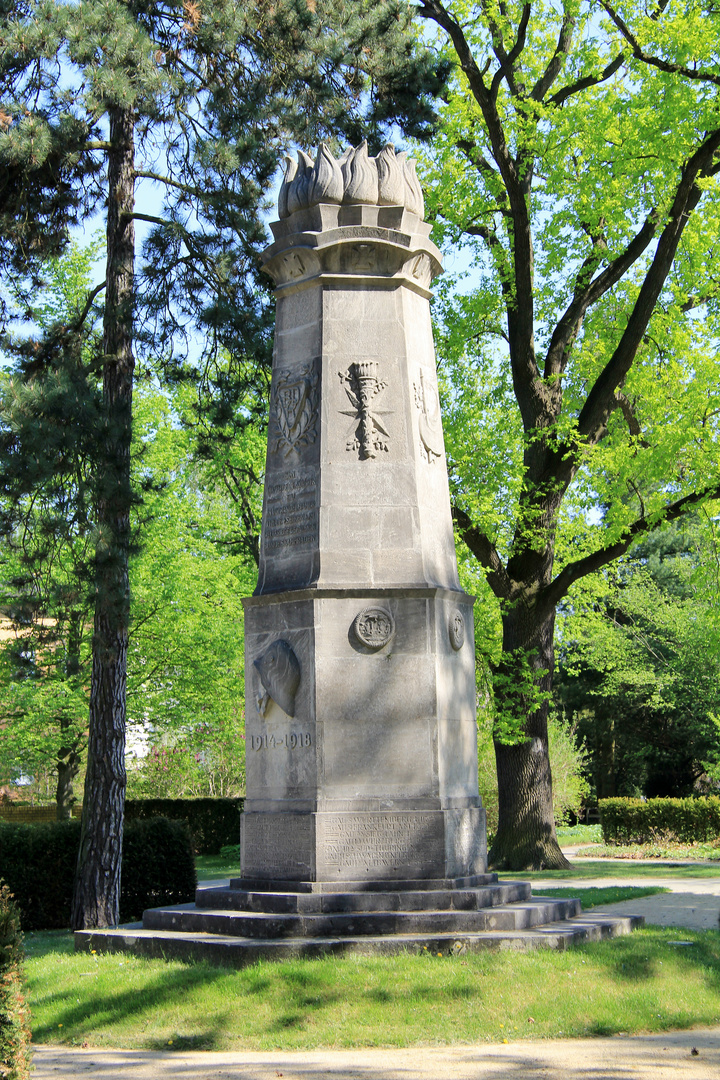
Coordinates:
[68,766]
[526,837]
[68,758]
[96,902]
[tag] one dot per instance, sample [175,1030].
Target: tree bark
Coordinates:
[96,901]
[526,837]
[68,758]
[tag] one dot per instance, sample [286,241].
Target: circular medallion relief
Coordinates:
[374,627]
[456,629]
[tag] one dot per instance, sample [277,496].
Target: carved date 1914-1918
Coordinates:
[292,740]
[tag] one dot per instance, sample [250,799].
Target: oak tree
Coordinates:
[577,169]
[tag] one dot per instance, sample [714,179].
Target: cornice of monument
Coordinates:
[358,220]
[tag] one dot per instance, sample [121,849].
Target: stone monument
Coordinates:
[363,829]
[361,741]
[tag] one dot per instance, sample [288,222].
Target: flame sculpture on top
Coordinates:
[386,180]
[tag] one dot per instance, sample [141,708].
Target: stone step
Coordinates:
[231,951]
[284,903]
[187,918]
[384,885]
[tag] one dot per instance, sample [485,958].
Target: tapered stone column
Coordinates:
[361,740]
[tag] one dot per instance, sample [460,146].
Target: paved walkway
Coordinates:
[687,1055]
[692,902]
[648,1057]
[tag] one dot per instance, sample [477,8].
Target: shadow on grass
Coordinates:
[303,991]
[636,957]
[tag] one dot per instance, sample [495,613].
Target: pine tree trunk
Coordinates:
[68,758]
[68,766]
[96,901]
[526,838]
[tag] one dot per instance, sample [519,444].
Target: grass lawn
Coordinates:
[596,868]
[214,867]
[609,894]
[639,983]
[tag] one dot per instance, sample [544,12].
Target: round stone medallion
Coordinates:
[456,629]
[374,627]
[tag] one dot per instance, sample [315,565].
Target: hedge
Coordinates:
[213,822]
[14,1013]
[38,863]
[639,821]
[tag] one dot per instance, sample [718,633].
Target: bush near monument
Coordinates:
[638,821]
[14,1013]
[213,823]
[38,862]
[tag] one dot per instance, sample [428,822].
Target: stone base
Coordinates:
[363,849]
[237,927]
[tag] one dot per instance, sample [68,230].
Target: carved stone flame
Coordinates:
[389,179]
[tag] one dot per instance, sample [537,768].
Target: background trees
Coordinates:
[576,168]
[639,666]
[200,100]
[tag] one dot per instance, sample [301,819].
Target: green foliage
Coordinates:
[38,862]
[639,671]
[638,821]
[213,823]
[185,665]
[14,1013]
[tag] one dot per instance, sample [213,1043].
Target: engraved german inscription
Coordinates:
[291,515]
[364,842]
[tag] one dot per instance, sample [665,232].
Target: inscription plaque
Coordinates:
[273,846]
[378,844]
[291,515]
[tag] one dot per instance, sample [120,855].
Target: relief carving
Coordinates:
[362,387]
[294,408]
[355,178]
[279,671]
[429,422]
[361,257]
[293,265]
[374,627]
[456,629]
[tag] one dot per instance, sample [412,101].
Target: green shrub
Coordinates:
[213,822]
[638,821]
[14,1013]
[38,862]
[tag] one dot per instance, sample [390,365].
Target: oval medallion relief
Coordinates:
[456,629]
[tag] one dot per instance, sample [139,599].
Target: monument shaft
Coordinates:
[361,742]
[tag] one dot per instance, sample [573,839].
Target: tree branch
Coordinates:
[569,325]
[551,595]
[136,216]
[590,80]
[601,398]
[485,552]
[655,61]
[554,67]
